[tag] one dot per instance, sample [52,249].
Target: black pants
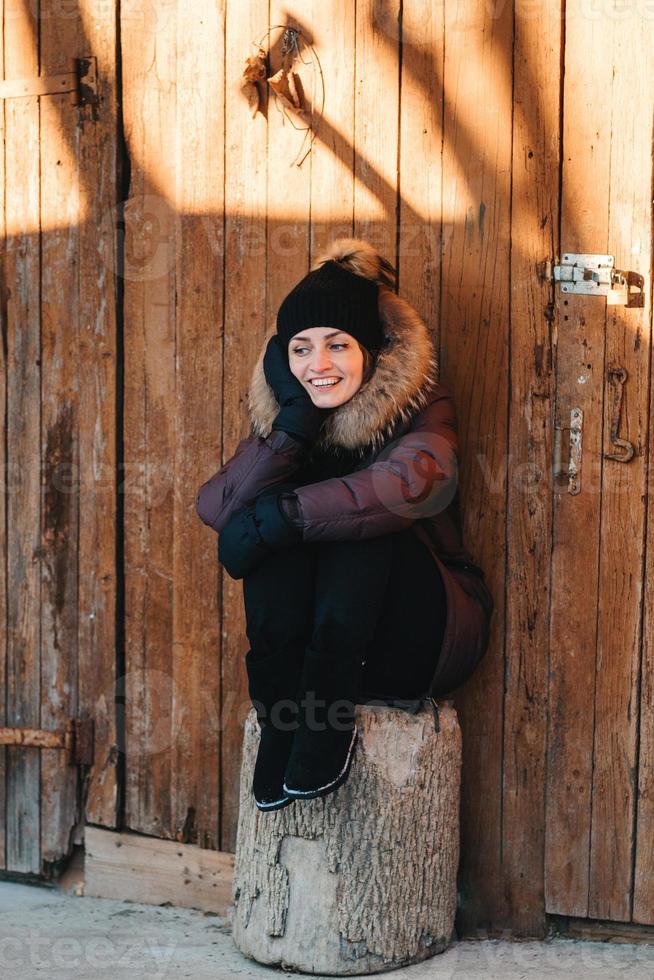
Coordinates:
[382,598]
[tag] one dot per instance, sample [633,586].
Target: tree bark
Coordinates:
[362,880]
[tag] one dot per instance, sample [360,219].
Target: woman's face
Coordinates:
[326,354]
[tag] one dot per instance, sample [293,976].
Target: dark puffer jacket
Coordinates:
[386,460]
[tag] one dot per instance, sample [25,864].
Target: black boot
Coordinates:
[277,717]
[323,745]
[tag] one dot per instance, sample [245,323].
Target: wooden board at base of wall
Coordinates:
[135,868]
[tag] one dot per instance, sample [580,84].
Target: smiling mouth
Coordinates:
[320,387]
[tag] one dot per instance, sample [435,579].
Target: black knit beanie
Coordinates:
[332,296]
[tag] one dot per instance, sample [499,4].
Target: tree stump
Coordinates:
[362,880]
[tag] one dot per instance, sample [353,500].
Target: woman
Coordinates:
[340,513]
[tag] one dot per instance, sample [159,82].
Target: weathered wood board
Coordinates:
[535,198]
[136,868]
[475,284]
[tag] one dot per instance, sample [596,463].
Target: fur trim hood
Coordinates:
[404,376]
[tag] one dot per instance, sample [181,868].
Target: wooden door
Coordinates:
[600,804]
[58,453]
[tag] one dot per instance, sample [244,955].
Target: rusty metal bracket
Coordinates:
[619,375]
[76,739]
[81,81]
[627,289]
[571,471]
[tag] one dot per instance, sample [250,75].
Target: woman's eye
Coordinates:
[299,350]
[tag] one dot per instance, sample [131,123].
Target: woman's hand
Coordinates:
[279,376]
[254,532]
[298,414]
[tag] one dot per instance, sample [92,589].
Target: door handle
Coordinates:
[619,375]
[569,474]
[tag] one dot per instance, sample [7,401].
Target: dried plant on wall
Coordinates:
[286,84]
[254,71]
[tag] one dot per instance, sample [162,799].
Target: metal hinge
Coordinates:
[594,275]
[76,739]
[81,80]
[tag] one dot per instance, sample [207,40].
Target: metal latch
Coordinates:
[81,80]
[76,739]
[594,275]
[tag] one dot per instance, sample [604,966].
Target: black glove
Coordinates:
[254,532]
[298,415]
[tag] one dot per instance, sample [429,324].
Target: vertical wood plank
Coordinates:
[639,133]
[97,553]
[197,419]
[149,76]
[289,185]
[643,892]
[332,178]
[624,486]
[643,889]
[4,462]
[377,32]
[62,207]
[420,158]
[474,361]
[22,269]
[245,301]
[576,550]
[534,237]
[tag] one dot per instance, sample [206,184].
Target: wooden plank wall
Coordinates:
[441,142]
[59,453]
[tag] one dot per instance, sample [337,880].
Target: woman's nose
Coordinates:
[321,361]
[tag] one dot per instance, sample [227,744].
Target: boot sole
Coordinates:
[310,794]
[277,805]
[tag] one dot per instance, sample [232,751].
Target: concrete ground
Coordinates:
[47,933]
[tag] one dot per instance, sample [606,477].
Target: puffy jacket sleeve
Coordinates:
[414,477]
[257,464]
